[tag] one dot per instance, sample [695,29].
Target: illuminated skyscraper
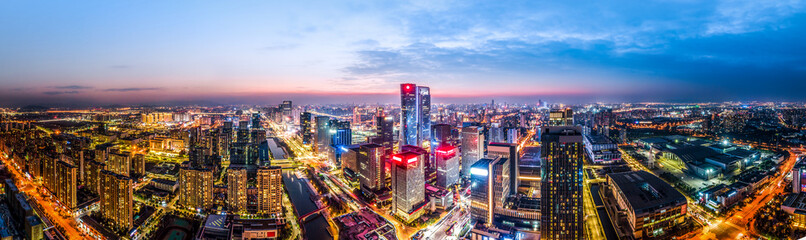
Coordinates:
[195,188]
[270,190]
[440,136]
[447,159]
[340,136]
[371,166]
[286,107]
[561,117]
[322,134]
[305,127]
[415,114]
[384,128]
[489,188]
[509,151]
[408,183]
[561,187]
[120,163]
[236,189]
[472,147]
[116,199]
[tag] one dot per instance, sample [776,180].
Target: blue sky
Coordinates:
[104,52]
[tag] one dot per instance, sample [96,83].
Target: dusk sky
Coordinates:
[146,52]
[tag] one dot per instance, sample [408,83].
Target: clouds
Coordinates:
[130,89]
[641,49]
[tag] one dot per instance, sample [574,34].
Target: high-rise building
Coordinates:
[489,188]
[92,175]
[306,129]
[562,155]
[799,177]
[509,151]
[440,136]
[561,117]
[340,136]
[120,163]
[116,199]
[384,128]
[472,147]
[243,132]
[66,180]
[447,159]
[415,114]
[270,190]
[424,113]
[408,183]
[371,166]
[195,188]
[138,164]
[322,134]
[236,189]
[256,120]
[287,108]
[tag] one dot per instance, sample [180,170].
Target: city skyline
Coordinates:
[100,53]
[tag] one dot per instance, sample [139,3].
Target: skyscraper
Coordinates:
[322,134]
[371,166]
[409,128]
[561,187]
[447,162]
[116,199]
[66,180]
[472,147]
[489,188]
[440,136]
[408,183]
[561,117]
[236,189]
[424,113]
[305,127]
[510,151]
[340,136]
[384,128]
[270,191]
[286,107]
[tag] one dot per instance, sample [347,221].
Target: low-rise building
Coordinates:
[601,150]
[650,205]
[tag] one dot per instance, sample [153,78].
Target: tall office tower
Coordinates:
[561,117]
[509,151]
[257,134]
[116,199]
[306,131]
[349,166]
[415,114]
[440,136]
[195,188]
[287,109]
[66,180]
[371,166]
[472,147]
[561,183]
[489,188]
[243,132]
[447,165]
[408,183]
[270,190]
[424,113]
[236,189]
[120,163]
[256,120]
[322,134]
[341,136]
[384,128]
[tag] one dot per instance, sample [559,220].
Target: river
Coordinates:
[300,194]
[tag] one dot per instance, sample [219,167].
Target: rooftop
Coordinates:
[694,153]
[598,139]
[646,192]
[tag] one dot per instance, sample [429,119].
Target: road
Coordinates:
[67,225]
[734,226]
